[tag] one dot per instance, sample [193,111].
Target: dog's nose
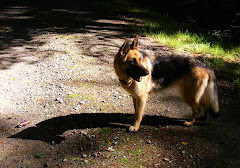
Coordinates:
[144,72]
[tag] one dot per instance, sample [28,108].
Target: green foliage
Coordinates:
[217,48]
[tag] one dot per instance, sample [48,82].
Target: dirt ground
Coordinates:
[56,72]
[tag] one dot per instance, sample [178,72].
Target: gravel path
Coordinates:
[57,73]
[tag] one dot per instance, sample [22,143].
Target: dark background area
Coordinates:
[209,14]
[213,13]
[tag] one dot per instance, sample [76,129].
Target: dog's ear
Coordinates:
[124,49]
[134,44]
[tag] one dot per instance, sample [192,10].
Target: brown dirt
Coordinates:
[56,72]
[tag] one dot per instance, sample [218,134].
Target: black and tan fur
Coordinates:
[138,76]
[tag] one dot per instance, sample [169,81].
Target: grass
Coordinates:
[214,47]
[186,41]
[179,37]
[185,35]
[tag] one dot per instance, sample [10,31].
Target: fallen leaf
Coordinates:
[75,158]
[166,159]
[184,143]
[39,155]
[1,143]
[109,142]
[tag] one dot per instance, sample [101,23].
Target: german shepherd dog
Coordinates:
[138,76]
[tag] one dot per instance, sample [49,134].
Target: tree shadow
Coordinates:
[22,21]
[49,130]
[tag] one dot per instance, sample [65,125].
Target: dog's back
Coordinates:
[197,82]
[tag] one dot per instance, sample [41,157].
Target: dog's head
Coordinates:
[127,63]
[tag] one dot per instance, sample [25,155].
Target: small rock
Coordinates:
[115,138]
[84,133]
[167,159]
[110,149]
[82,102]
[183,152]
[149,142]
[84,155]
[58,100]
[119,133]
[77,107]
[86,161]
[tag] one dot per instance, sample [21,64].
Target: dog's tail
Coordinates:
[211,95]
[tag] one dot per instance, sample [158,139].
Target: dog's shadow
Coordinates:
[49,130]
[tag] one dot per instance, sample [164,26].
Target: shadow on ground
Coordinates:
[49,130]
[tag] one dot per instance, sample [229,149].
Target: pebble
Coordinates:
[110,149]
[183,152]
[77,107]
[84,155]
[84,133]
[167,159]
[149,142]
[116,138]
[82,102]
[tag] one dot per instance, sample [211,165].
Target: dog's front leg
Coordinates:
[139,104]
[134,103]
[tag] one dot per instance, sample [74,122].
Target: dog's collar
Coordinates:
[124,82]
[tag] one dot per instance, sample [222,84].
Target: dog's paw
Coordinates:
[133,129]
[186,123]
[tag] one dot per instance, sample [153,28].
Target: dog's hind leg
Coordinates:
[192,87]
[195,108]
